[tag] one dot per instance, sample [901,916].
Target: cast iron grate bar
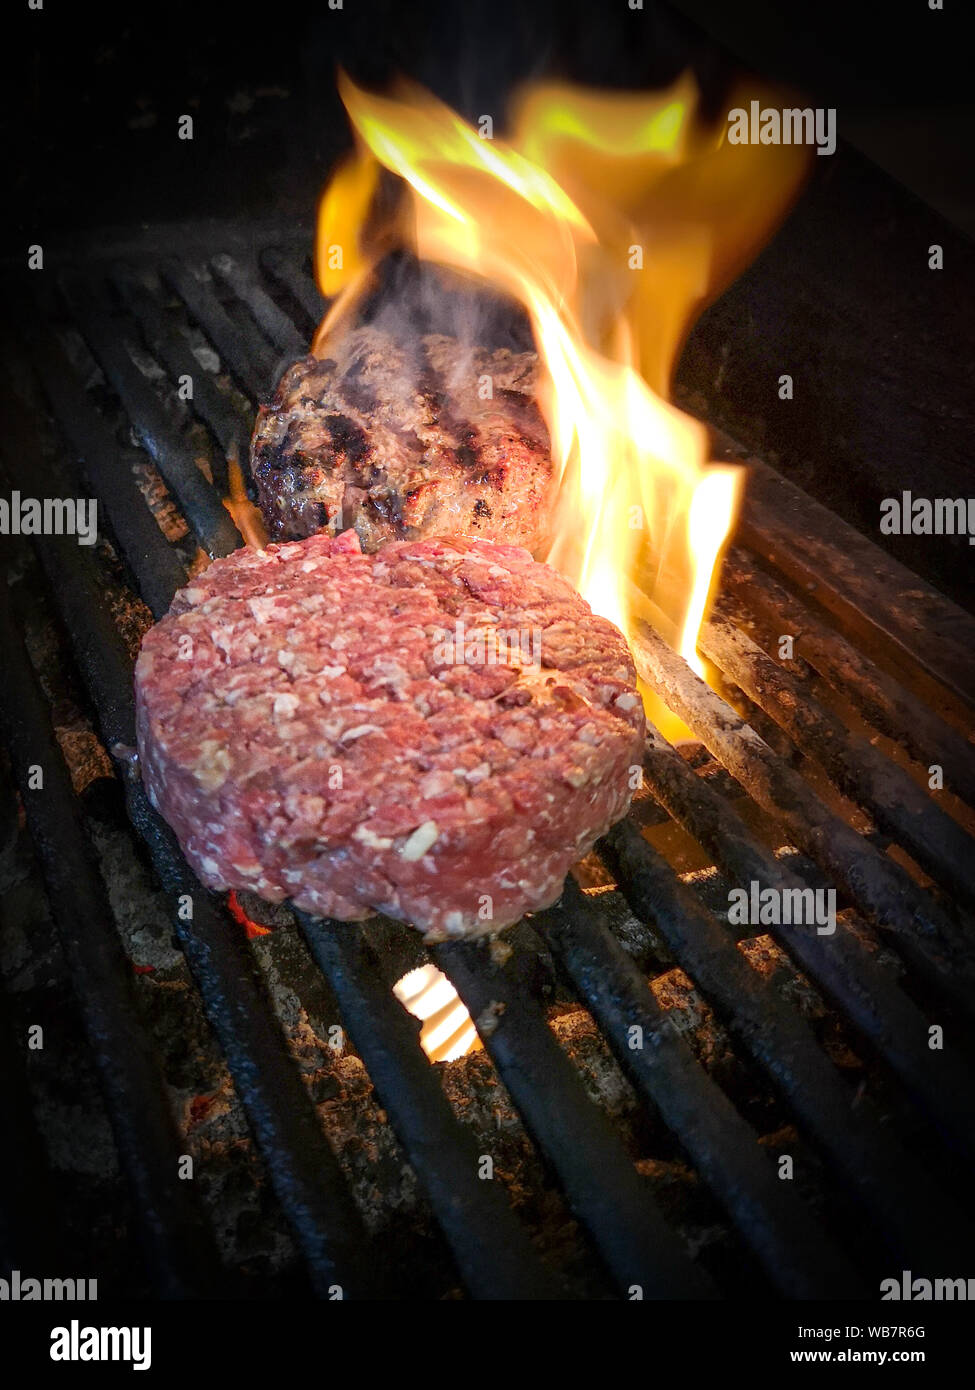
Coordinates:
[600,1182]
[176,354]
[490,1246]
[886,892]
[273,322]
[885,703]
[240,346]
[871,595]
[874,1165]
[171,452]
[867,993]
[857,768]
[179,1251]
[32,1224]
[797,1256]
[285,272]
[108,468]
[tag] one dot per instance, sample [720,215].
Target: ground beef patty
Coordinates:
[314,725]
[400,440]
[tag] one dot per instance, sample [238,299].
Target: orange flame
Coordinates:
[247,517]
[612,218]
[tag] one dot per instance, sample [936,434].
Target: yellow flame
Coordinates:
[612,218]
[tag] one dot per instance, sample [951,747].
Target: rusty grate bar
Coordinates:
[858,769]
[883,701]
[884,890]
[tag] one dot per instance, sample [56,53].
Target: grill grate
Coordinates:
[900,961]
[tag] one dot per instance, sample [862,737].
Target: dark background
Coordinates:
[882,350]
[93,91]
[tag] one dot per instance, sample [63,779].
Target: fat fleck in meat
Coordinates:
[400,441]
[437,731]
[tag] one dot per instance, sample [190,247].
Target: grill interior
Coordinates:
[648,1068]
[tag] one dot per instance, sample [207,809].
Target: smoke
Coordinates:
[413,298]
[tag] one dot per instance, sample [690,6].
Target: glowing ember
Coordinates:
[252,929]
[447,1031]
[612,218]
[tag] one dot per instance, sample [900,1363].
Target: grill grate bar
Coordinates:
[175,353]
[907,625]
[874,1164]
[31,1209]
[882,888]
[858,769]
[602,1186]
[797,1256]
[491,1248]
[242,350]
[179,1250]
[206,514]
[109,469]
[865,991]
[286,273]
[275,324]
[885,704]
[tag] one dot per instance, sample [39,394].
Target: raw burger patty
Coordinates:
[394,441]
[305,731]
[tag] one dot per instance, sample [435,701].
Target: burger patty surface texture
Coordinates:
[397,441]
[436,731]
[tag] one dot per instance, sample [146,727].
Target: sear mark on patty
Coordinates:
[348,438]
[392,436]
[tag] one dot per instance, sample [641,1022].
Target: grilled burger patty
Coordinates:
[399,441]
[436,731]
